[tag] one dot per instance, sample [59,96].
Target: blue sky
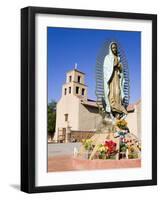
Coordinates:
[67,46]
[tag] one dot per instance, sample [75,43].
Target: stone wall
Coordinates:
[78,136]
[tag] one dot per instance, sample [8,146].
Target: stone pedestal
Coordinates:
[106,126]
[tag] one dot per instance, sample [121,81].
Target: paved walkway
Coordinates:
[60,163]
[62,148]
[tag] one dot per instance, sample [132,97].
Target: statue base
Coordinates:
[111,142]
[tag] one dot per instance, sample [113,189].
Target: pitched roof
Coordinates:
[89,103]
[76,71]
[92,103]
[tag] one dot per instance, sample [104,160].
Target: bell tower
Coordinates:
[75,84]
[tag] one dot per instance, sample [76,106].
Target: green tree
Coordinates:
[51,118]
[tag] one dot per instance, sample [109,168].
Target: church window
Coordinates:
[70,78]
[69,90]
[79,79]
[65,91]
[66,117]
[77,90]
[83,90]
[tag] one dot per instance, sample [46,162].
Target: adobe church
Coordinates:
[75,113]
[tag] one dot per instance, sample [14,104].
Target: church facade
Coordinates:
[75,112]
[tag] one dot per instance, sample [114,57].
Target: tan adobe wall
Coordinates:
[67,105]
[89,118]
[134,120]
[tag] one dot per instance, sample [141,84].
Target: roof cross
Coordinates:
[75,66]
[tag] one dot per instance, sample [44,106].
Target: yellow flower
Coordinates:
[102,148]
[87,144]
[121,123]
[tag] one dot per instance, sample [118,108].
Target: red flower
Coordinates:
[111,146]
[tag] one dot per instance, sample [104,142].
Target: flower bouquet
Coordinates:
[123,149]
[88,146]
[107,150]
[111,149]
[121,123]
[102,151]
[132,153]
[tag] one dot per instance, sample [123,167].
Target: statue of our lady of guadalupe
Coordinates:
[114,83]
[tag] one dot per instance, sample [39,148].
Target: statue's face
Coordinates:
[114,49]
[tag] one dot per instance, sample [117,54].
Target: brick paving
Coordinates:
[69,163]
[60,163]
